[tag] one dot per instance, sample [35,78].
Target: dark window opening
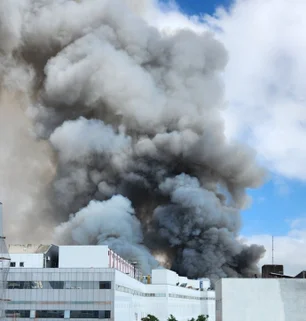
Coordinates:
[13,264]
[105,285]
[84,314]
[21,264]
[104,314]
[53,285]
[17,313]
[48,314]
[57,284]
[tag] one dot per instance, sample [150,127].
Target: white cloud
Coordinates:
[281,186]
[265,82]
[288,249]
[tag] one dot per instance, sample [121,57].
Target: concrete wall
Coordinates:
[130,302]
[205,283]
[83,256]
[163,276]
[23,256]
[29,260]
[260,299]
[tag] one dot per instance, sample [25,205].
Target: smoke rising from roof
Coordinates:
[133,117]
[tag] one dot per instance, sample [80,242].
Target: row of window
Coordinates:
[59,285]
[59,314]
[122,288]
[134,292]
[188,297]
[13,264]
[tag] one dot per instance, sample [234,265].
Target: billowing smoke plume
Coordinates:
[133,117]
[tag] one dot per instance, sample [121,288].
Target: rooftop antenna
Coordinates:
[272,250]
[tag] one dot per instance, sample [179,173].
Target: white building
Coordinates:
[268,299]
[93,282]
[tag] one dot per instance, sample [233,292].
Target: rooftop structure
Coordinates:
[34,255]
[272,270]
[47,256]
[277,271]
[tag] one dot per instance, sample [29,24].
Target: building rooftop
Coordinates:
[28,248]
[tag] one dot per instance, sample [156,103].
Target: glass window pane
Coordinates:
[17,313]
[84,314]
[48,314]
[105,285]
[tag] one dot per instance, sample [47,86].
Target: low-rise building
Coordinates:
[93,282]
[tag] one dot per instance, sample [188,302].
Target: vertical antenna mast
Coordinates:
[272,250]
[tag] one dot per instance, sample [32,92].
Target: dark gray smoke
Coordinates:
[134,117]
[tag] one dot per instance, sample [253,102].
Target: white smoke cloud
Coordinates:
[77,140]
[11,22]
[112,222]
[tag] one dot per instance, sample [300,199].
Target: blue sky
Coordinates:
[279,206]
[201,6]
[274,206]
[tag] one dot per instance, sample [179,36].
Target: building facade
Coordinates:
[93,282]
[267,299]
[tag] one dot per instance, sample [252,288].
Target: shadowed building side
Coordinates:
[272,270]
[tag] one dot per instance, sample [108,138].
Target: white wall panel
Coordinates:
[261,299]
[83,256]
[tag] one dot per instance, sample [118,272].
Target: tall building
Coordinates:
[93,282]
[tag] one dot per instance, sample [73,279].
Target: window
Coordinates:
[21,264]
[13,264]
[87,314]
[56,284]
[13,285]
[21,285]
[84,314]
[53,285]
[105,285]
[50,314]
[104,314]
[17,313]
[81,285]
